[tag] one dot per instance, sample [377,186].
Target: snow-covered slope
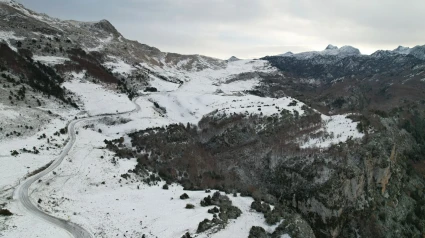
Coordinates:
[111,206]
[88,187]
[336,129]
[97,99]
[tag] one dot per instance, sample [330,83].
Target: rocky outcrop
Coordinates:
[106,26]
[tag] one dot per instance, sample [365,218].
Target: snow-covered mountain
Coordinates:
[348,51]
[169,145]
[98,36]
[332,50]
[417,52]
[94,59]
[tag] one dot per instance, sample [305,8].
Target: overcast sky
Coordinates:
[252,28]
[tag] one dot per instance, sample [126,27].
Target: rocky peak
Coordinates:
[402,50]
[349,50]
[418,52]
[287,54]
[382,53]
[331,47]
[106,26]
[343,51]
[233,58]
[330,50]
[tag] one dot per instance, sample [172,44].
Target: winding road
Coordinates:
[21,192]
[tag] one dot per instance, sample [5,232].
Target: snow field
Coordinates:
[162,85]
[99,100]
[191,107]
[119,66]
[204,80]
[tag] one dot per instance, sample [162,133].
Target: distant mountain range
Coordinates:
[344,51]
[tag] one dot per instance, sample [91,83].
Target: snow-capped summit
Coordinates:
[233,58]
[331,47]
[417,51]
[349,50]
[402,50]
[342,52]
[287,54]
[383,53]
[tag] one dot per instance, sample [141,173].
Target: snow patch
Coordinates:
[50,60]
[10,35]
[119,66]
[336,129]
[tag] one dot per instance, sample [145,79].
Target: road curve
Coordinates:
[21,192]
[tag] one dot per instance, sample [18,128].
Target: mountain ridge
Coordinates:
[101,36]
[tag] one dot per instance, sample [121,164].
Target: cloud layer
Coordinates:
[252,28]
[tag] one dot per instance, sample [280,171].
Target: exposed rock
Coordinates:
[205,225]
[184,196]
[257,232]
[295,227]
[5,212]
